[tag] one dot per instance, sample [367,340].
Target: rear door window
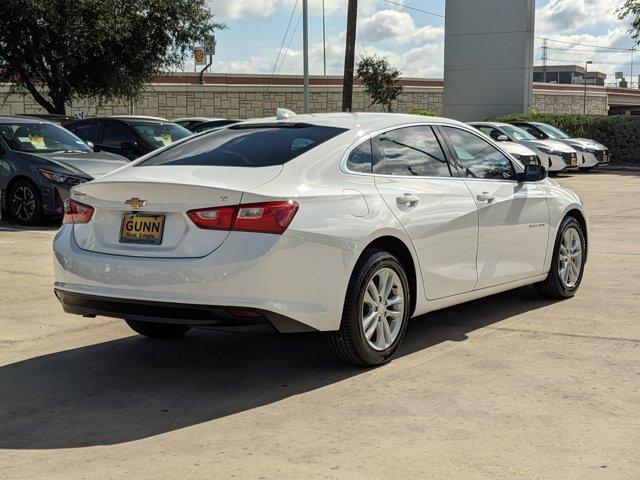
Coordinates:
[116,133]
[411,151]
[248,145]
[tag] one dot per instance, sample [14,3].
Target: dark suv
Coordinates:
[130,137]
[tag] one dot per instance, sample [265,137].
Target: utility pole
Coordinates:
[631,76]
[324,42]
[305,52]
[584,107]
[545,48]
[349,55]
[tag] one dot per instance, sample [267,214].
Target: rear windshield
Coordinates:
[246,146]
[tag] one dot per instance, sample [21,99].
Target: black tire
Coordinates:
[349,343]
[553,287]
[157,330]
[586,169]
[24,203]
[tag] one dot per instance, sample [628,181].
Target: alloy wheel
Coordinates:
[570,258]
[23,203]
[382,310]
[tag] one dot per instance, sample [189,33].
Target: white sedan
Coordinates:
[590,152]
[555,156]
[349,224]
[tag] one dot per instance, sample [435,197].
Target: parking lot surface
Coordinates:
[511,386]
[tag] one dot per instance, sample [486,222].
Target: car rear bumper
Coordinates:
[286,276]
[175,313]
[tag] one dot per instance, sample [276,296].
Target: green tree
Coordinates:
[631,8]
[380,80]
[58,50]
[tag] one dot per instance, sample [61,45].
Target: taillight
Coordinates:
[267,217]
[213,218]
[76,212]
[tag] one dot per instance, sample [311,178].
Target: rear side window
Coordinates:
[260,145]
[89,132]
[361,159]
[411,151]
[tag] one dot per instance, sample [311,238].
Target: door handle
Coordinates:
[407,199]
[485,197]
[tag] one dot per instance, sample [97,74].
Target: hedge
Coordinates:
[620,133]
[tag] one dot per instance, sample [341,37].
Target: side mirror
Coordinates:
[129,145]
[533,173]
[502,138]
[91,145]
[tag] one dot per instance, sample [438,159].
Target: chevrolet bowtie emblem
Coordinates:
[135,203]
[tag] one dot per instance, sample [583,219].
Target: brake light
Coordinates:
[213,218]
[76,212]
[270,217]
[267,217]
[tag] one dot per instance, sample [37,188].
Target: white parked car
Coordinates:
[521,153]
[349,224]
[590,152]
[554,155]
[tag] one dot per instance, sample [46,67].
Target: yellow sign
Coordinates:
[38,142]
[200,56]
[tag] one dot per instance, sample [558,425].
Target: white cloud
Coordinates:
[575,15]
[234,9]
[238,9]
[396,27]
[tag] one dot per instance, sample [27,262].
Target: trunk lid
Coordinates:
[168,191]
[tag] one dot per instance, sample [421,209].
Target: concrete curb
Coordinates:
[623,168]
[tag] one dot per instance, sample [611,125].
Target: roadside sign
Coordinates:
[619,75]
[200,55]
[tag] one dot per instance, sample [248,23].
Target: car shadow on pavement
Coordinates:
[133,388]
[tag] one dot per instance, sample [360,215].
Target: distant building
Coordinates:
[567,74]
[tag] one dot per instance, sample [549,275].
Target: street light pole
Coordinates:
[305,52]
[584,107]
[324,42]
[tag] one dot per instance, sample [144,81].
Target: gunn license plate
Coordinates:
[143,229]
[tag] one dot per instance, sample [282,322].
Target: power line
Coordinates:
[413,8]
[581,44]
[284,38]
[578,62]
[584,50]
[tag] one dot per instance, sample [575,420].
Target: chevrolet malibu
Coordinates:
[348,224]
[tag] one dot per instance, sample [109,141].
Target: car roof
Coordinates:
[21,119]
[197,119]
[139,117]
[369,121]
[129,120]
[491,124]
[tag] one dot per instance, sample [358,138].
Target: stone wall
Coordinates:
[570,102]
[247,101]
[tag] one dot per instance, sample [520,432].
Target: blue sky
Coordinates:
[412,40]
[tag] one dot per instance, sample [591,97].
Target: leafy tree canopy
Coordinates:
[380,80]
[58,50]
[631,8]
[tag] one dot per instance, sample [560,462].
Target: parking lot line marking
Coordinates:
[573,335]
